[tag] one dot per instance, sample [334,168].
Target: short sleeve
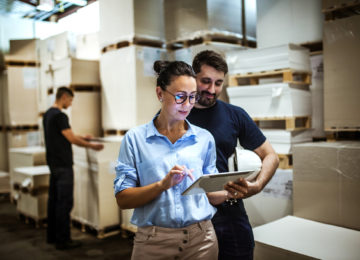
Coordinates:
[62,121]
[126,173]
[250,135]
[210,159]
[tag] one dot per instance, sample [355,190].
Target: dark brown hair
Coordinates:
[167,70]
[63,90]
[211,59]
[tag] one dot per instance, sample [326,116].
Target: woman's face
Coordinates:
[180,88]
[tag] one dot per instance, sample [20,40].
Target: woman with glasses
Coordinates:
[157,162]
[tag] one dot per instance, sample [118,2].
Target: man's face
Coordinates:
[209,84]
[67,101]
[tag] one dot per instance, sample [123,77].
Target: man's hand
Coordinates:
[241,189]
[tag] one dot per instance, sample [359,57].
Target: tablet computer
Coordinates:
[216,181]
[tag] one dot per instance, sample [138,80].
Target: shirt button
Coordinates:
[185,232]
[180,249]
[184,241]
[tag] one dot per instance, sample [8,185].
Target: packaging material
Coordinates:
[188,54]
[4,182]
[273,202]
[282,22]
[297,238]
[88,46]
[341,82]
[282,141]
[94,200]
[21,106]
[70,72]
[23,138]
[33,184]
[317,96]
[3,86]
[56,47]
[271,100]
[24,50]
[326,182]
[286,56]
[126,215]
[131,102]
[24,157]
[123,20]
[186,19]
[85,113]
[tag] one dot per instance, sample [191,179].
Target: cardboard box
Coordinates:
[286,56]
[128,86]
[271,100]
[281,22]
[282,141]
[341,82]
[74,72]
[123,20]
[88,46]
[33,197]
[24,50]
[296,238]
[23,138]
[21,107]
[327,4]
[326,182]
[273,202]
[186,19]
[95,203]
[85,113]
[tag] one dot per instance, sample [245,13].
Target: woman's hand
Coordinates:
[175,176]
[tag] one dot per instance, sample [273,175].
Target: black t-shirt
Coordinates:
[227,123]
[58,148]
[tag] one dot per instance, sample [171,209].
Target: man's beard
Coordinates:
[206,102]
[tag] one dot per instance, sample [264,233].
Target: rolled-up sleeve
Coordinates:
[210,159]
[126,173]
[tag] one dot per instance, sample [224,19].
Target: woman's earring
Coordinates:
[161,100]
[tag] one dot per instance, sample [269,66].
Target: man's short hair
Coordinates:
[211,59]
[63,90]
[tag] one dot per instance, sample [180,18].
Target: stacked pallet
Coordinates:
[272,85]
[95,205]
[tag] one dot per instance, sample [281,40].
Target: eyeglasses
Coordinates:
[181,97]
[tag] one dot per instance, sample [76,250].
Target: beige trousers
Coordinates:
[197,241]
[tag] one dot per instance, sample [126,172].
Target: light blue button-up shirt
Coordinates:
[146,156]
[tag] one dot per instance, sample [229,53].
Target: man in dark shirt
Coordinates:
[58,140]
[228,124]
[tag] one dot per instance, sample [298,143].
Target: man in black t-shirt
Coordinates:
[58,140]
[229,124]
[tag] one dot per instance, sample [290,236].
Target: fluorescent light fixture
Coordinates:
[46,5]
[77,2]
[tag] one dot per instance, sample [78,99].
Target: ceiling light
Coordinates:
[46,5]
[77,2]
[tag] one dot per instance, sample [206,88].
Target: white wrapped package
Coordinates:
[244,160]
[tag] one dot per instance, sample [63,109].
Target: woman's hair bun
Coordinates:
[160,66]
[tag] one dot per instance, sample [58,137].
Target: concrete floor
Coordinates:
[19,240]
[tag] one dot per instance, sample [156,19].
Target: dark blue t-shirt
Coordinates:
[58,148]
[227,123]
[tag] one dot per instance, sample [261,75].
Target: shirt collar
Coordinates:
[151,130]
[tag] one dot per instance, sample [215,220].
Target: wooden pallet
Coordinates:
[135,41]
[287,123]
[315,48]
[78,88]
[209,38]
[342,10]
[99,233]
[349,135]
[285,161]
[287,76]
[128,230]
[18,63]
[22,128]
[38,222]
[111,132]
